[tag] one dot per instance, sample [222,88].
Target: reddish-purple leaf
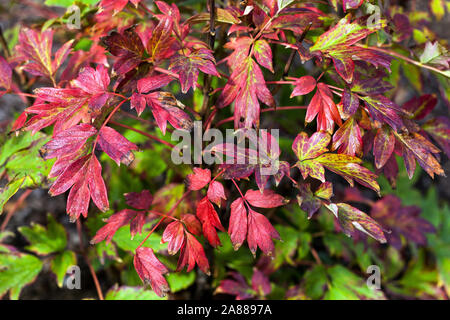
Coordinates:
[439,129]
[246,87]
[267,199]
[68,141]
[307,201]
[127,47]
[303,85]
[153,82]
[151,270]
[188,67]
[116,146]
[420,107]
[401,220]
[35,51]
[192,253]
[237,228]
[237,286]
[174,235]
[260,233]
[94,82]
[165,107]
[199,179]
[261,283]
[210,221]
[383,146]
[216,193]
[139,200]
[114,222]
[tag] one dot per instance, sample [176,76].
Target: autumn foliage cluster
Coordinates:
[103,100]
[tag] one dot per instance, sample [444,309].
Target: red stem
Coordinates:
[143,133]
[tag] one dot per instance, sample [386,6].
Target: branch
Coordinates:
[409,60]
[143,133]
[265,110]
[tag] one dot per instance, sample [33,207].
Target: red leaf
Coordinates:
[188,67]
[35,50]
[439,129]
[138,102]
[192,224]
[192,253]
[151,270]
[114,222]
[322,106]
[68,141]
[260,233]
[127,47]
[237,228]
[267,199]
[94,82]
[303,85]
[348,138]
[139,200]
[84,176]
[64,108]
[137,224]
[421,107]
[174,234]
[159,45]
[210,221]
[198,179]
[153,82]
[165,107]
[116,146]
[246,87]
[216,192]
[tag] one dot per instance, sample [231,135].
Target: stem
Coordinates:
[91,269]
[398,55]
[264,110]
[211,40]
[16,206]
[143,133]
[240,192]
[163,218]
[150,233]
[107,120]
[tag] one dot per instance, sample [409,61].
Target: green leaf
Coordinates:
[131,293]
[45,241]
[10,189]
[17,271]
[122,238]
[346,285]
[21,161]
[180,281]
[315,282]
[61,263]
[68,3]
